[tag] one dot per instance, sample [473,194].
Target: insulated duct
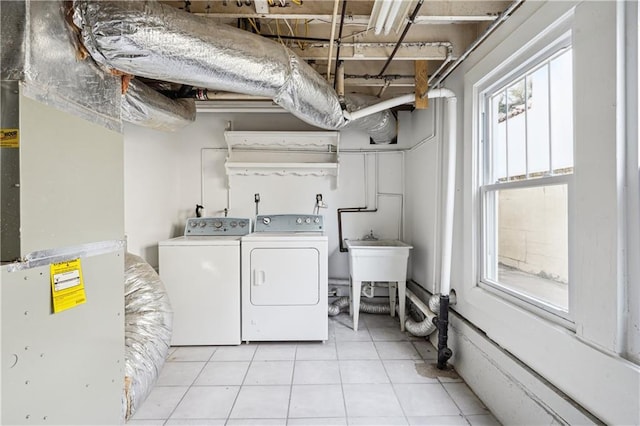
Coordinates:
[147,107]
[342,303]
[427,325]
[417,328]
[13,23]
[381,126]
[156,41]
[161,42]
[148,324]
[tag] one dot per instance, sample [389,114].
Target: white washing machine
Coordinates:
[284,279]
[201,272]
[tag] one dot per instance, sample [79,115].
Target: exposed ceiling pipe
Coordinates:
[442,66]
[334,18]
[380,106]
[490,29]
[404,34]
[339,42]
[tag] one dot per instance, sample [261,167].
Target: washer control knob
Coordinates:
[243,224]
[202,224]
[316,220]
[299,221]
[217,224]
[307,220]
[233,224]
[193,224]
[266,220]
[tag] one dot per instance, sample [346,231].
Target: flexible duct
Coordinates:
[417,328]
[161,42]
[148,324]
[146,107]
[434,301]
[157,41]
[426,326]
[342,304]
[381,125]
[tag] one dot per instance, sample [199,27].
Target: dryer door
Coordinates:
[285,276]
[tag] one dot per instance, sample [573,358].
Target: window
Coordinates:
[527,166]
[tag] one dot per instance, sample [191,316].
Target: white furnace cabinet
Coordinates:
[284,287]
[202,277]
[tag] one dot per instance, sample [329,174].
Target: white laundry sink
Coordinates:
[378,260]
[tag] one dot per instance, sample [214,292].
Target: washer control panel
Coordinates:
[212,226]
[290,223]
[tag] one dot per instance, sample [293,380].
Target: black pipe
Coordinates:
[349,210]
[284,37]
[404,34]
[338,42]
[444,353]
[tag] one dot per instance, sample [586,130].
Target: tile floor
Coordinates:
[367,377]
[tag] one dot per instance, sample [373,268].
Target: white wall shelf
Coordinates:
[257,153]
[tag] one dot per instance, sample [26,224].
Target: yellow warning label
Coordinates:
[9,138]
[67,287]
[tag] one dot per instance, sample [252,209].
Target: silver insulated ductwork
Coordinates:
[147,107]
[153,40]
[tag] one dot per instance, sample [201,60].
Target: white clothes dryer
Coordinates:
[284,279]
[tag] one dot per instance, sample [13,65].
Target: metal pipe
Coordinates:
[339,80]
[349,210]
[447,241]
[448,59]
[380,106]
[339,41]
[424,327]
[285,37]
[404,34]
[333,33]
[490,29]
[444,352]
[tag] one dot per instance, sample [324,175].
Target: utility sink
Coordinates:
[357,244]
[378,260]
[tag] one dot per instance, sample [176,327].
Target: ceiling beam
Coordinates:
[357,11]
[349,19]
[409,51]
[379,82]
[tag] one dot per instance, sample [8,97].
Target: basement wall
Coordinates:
[526,367]
[167,174]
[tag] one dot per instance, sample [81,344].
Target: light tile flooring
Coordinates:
[368,377]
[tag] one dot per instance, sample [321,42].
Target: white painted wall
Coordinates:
[423,188]
[166,174]
[585,360]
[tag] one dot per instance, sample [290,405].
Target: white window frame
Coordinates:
[555,38]
[576,358]
[489,88]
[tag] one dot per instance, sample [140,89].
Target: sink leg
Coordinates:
[355,302]
[392,297]
[402,295]
[350,297]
